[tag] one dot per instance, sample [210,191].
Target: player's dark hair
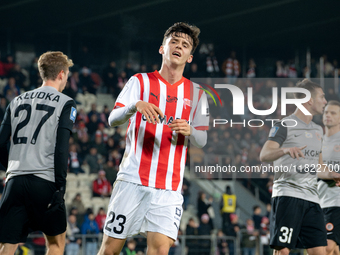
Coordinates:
[334,102]
[181,27]
[51,63]
[306,84]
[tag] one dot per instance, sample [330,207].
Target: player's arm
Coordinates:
[62,143]
[128,103]
[5,134]
[119,116]
[325,173]
[272,149]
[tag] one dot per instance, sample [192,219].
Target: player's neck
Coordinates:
[50,83]
[332,130]
[305,118]
[171,74]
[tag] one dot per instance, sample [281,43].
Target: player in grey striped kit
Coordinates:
[329,193]
[296,217]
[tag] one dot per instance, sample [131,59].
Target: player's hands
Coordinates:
[180,126]
[337,181]
[150,111]
[336,177]
[295,152]
[57,200]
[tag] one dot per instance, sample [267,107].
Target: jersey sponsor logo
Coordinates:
[296,135]
[273,131]
[73,114]
[318,136]
[152,94]
[329,226]
[171,99]
[308,135]
[333,162]
[312,153]
[165,120]
[336,148]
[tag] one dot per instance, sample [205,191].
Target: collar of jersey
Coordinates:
[156,73]
[302,122]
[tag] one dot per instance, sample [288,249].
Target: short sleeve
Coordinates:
[201,115]
[278,133]
[68,115]
[130,93]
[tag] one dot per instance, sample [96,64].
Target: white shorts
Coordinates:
[135,209]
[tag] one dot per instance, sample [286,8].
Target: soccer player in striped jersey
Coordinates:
[329,193]
[38,124]
[164,110]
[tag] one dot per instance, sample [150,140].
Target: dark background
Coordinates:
[262,29]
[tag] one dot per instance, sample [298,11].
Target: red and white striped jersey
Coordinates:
[154,155]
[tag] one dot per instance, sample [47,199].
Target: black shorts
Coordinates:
[23,208]
[296,223]
[332,221]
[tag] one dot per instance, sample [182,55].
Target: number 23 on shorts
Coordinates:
[121,219]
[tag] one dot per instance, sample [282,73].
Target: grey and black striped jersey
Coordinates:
[34,118]
[329,193]
[297,177]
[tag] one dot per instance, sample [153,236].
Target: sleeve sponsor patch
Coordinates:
[273,131]
[73,114]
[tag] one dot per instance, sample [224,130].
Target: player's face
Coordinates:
[331,116]
[177,49]
[319,101]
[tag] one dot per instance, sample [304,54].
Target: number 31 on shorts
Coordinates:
[286,235]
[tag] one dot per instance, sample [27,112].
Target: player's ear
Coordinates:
[311,101]
[189,60]
[161,50]
[60,75]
